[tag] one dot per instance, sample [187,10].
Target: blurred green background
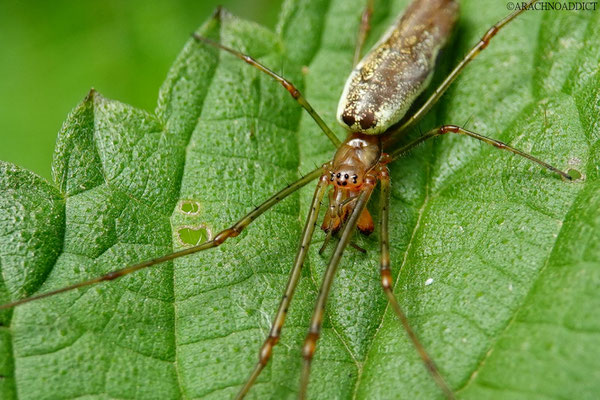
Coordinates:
[54,52]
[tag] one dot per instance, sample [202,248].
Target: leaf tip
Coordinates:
[220,13]
[93,97]
[91,94]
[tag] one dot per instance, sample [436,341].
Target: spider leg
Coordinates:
[363,31]
[386,283]
[275,332]
[328,222]
[289,86]
[442,130]
[220,237]
[441,89]
[314,331]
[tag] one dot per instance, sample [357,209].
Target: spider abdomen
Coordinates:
[388,79]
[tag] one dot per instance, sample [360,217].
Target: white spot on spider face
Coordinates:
[357,143]
[429,281]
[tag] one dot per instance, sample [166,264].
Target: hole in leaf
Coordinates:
[576,175]
[189,207]
[192,235]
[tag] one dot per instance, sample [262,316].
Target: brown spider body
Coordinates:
[376,97]
[357,162]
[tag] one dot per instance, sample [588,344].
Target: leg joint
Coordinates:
[310,345]
[449,129]
[226,234]
[267,349]
[386,277]
[485,40]
[112,275]
[384,172]
[291,88]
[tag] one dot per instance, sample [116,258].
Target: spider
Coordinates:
[359,164]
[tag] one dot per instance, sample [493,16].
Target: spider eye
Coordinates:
[346,176]
[339,175]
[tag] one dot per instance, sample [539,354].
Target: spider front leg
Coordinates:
[387,284]
[310,343]
[266,349]
[220,238]
[444,129]
[474,52]
[289,86]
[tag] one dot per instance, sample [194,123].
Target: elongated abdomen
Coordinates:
[387,80]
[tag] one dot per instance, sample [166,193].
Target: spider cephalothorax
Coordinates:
[357,163]
[354,159]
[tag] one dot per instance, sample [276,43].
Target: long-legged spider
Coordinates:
[347,211]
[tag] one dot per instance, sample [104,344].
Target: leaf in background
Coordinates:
[511,249]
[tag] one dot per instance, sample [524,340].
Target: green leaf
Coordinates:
[496,261]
